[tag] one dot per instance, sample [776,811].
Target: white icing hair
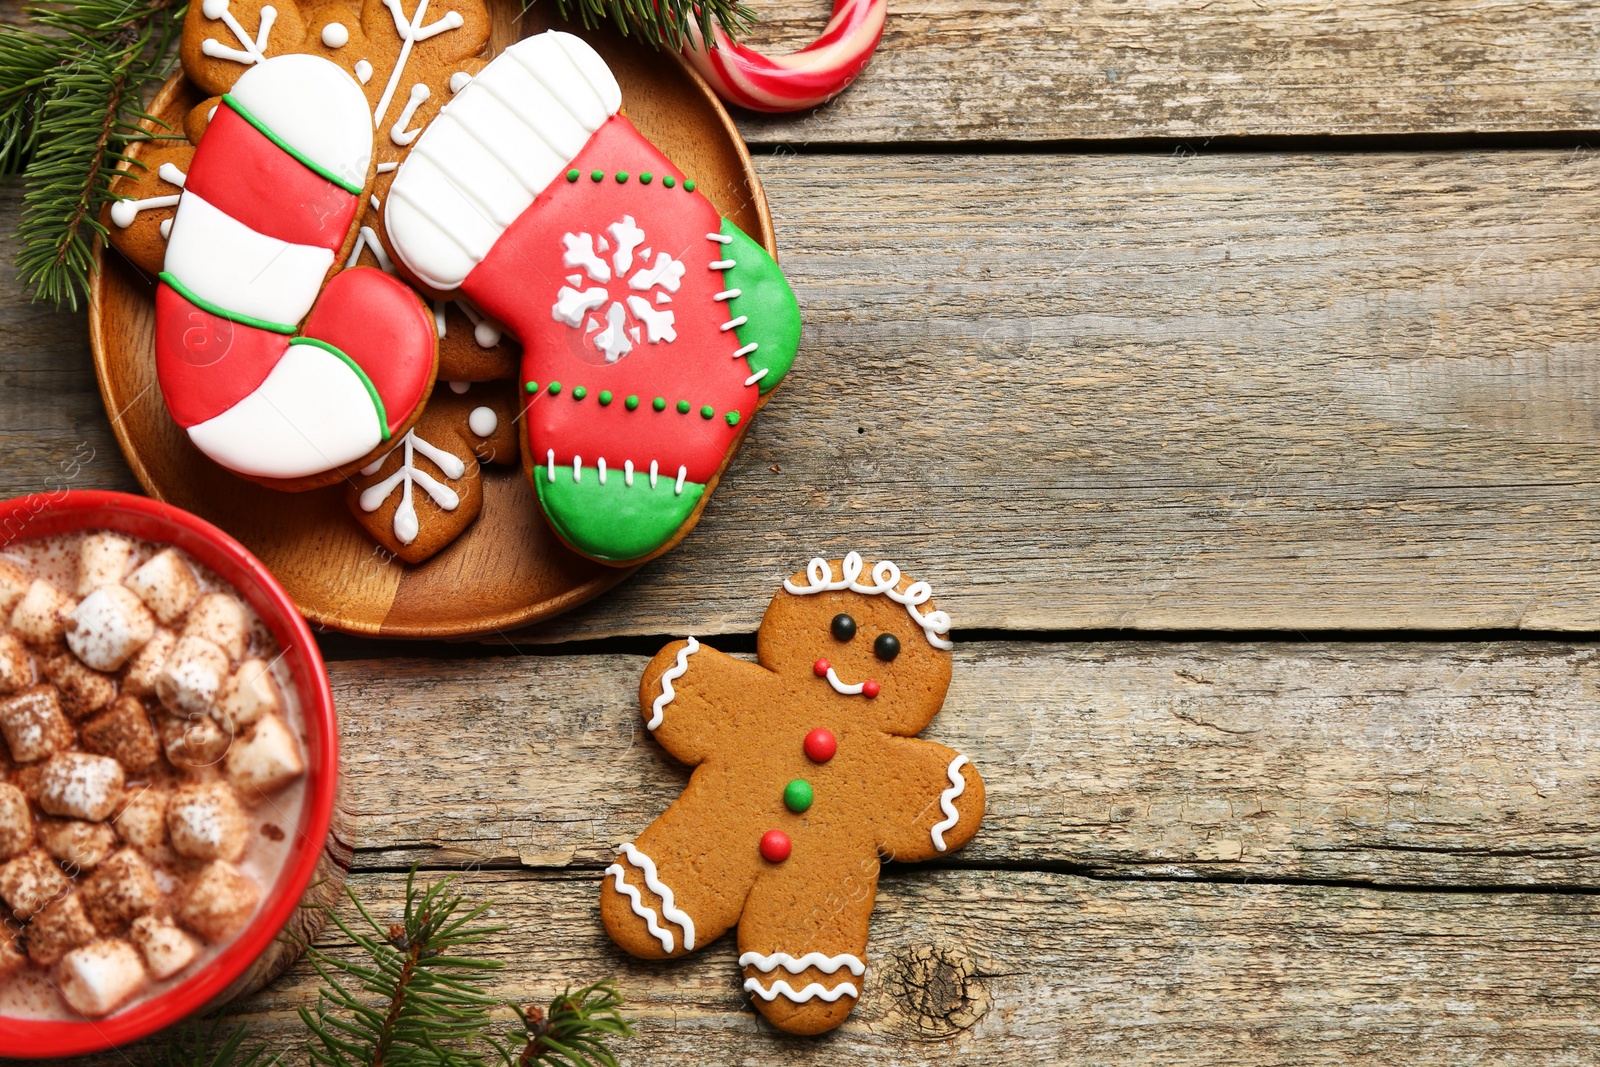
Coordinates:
[885,577]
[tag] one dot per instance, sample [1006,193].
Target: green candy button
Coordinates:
[797,795]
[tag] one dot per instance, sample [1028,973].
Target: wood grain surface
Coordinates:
[1039,70]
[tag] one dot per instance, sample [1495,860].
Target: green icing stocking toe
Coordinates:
[615,521]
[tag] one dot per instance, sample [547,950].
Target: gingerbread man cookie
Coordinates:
[807,773]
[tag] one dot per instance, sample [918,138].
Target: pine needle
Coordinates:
[662,23]
[72,86]
[195,1044]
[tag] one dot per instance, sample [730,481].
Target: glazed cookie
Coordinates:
[652,328]
[429,488]
[807,772]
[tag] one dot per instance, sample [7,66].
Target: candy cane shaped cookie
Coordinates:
[803,79]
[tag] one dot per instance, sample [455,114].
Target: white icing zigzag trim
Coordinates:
[958,785]
[654,883]
[814,991]
[659,708]
[825,964]
[885,576]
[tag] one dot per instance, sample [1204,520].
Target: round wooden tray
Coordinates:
[507,569]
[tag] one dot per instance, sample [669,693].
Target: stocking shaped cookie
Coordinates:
[263,382]
[651,327]
[807,771]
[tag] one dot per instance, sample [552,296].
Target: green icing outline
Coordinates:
[219,311]
[767,302]
[372,390]
[614,521]
[306,161]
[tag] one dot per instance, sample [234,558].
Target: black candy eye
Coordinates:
[886,647]
[843,627]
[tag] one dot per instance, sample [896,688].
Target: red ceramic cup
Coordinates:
[236,969]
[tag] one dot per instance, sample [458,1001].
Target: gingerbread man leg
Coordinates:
[803,936]
[667,894]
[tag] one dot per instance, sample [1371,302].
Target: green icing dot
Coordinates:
[797,795]
[732,417]
[555,388]
[646,178]
[533,387]
[622,177]
[572,175]
[605,397]
[597,175]
[669,181]
[683,407]
[688,185]
[707,412]
[659,403]
[632,402]
[579,393]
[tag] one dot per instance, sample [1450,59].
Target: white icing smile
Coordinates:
[840,687]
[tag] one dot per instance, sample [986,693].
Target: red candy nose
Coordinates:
[822,667]
[869,688]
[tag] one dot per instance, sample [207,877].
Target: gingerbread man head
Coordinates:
[807,773]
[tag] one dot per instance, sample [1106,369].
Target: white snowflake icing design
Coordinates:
[616,322]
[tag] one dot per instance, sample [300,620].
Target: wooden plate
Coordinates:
[507,569]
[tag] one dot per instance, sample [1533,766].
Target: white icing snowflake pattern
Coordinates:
[627,319]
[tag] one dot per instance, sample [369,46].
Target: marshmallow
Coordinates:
[188,682]
[16,666]
[123,889]
[40,617]
[99,978]
[267,760]
[139,678]
[124,733]
[194,744]
[143,822]
[12,958]
[220,619]
[13,583]
[30,881]
[58,928]
[83,691]
[205,822]
[167,949]
[102,559]
[219,903]
[249,694]
[16,821]
[165,584]
[81,786]
[108,626]
[33,724]
[78,845]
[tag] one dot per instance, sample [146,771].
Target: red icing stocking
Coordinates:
[269,201]
[651,326]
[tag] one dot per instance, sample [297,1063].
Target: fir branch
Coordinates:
[662,23]
[72,86]
[195,1044]
[573,1031]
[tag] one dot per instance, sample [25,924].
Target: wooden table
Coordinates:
[1229,368]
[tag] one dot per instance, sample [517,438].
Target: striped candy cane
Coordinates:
[811,76]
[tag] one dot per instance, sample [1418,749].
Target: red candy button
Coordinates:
[820,745]
[775,846]
[822,667]
[869,688]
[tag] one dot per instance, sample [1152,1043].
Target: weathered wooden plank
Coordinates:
[1004,70]
[1136,392]
[1399,764]
[1011,967]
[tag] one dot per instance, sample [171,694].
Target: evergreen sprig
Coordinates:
[72,89]
[573,1030]
[663,23]
[195,1044]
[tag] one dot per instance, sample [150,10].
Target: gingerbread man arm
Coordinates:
[690,693]
[935,804]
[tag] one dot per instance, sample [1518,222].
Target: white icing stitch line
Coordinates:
[958,785]
[659,708]
[885,576]
[654,883]
[825,964]
[814,991]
